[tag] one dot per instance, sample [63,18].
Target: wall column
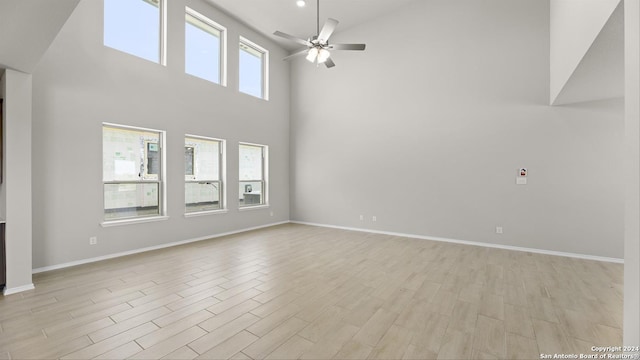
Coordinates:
[632,210]
[17,180]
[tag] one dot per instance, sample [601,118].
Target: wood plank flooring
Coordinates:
[303,292]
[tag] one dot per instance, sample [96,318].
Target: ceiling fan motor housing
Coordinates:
[317,43]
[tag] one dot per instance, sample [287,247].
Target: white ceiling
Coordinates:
[267,16]
[600,74]
[27,28]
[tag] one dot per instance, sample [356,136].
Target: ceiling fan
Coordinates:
[318,47]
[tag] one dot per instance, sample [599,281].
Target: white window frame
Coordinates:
[163,32]
[223,42]
[160,179]
[265,66]
[162,8]
[265,178]
[222,171]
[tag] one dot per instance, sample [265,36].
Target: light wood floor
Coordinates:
[295,291]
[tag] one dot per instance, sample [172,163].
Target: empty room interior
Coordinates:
[319,179]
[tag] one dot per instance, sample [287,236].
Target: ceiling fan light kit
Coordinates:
[317,47]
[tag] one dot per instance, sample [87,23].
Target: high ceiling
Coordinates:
[267,16]
[600,74]
[27,28]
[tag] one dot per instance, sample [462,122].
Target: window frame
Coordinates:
[222,170]
[264,181]
[159,179]
[265,66]
[162,33]
[223,44]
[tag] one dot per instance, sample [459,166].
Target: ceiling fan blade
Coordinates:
[329,63]
[358,47]
[297,53]
[292,38]
[328,29]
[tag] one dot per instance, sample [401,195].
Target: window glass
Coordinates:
[203,174]
[203,47]
[132,172]
[189,161]
[252,69]
[133,26]
[250,162]
[252,166]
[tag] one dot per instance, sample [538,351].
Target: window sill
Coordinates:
[133,221]
[205,213]
[257,207]
[254,96]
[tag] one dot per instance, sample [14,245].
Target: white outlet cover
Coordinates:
[521,181]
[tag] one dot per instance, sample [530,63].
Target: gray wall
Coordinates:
[80,83]
[427,129]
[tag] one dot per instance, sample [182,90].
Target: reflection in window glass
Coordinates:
[152,157]
[133,26]
[252,69]
[127,200]
[252,165]
[189,152]
[203,47]
[203,174]
[250,162]
[131,172]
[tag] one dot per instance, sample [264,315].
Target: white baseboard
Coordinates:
[473,243]
[151,248]
[19,289]
[433,238]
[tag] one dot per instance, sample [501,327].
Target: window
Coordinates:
[254,65]
[203,174]
[135,27]
[204,47]
[132,172]
[253,175]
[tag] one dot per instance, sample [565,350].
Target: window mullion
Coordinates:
[163,32]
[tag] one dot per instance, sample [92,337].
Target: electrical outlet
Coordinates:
[361,217]
[498,229]
[374,219]
[93,240]
[271,213]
